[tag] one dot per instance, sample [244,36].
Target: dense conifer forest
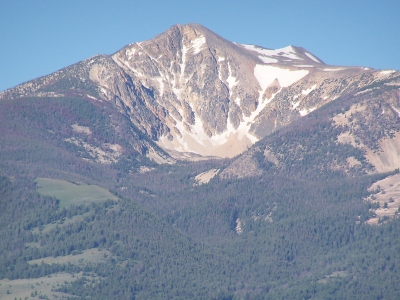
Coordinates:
[297,231]
[180,241]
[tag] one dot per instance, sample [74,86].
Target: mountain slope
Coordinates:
[219,97]
[196,94]
[356,134]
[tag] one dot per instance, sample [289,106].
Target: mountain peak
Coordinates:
[192,91]
[214,96]
[200,29]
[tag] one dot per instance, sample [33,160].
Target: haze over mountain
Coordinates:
[236,172]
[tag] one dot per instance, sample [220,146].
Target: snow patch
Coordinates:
[312,57]
[183,64]
[364,92]
[182,68]
[125,63]
[91,97]
[385,72]
[307,91]
[130,52]
[305,112]
[268,60]
[295,103]
[332,69]
[197,135]
[231,80]
[265,75]
[103,91]
[288,52]
[198,43]
[161,83]
[244,127]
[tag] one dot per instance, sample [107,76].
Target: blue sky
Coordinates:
[38,37]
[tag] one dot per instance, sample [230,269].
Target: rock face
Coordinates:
[198,95]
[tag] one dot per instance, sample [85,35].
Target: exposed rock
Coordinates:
[197,94]
[205,177]
[387,194]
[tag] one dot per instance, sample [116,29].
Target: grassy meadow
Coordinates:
[73,193]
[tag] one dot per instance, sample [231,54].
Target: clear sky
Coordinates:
[38,37]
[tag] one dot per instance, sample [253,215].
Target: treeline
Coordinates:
[31,141]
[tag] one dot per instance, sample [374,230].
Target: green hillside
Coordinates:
[72,193]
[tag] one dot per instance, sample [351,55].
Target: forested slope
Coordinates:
[269,237]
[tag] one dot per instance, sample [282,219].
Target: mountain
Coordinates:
[197,95]
[191,167]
